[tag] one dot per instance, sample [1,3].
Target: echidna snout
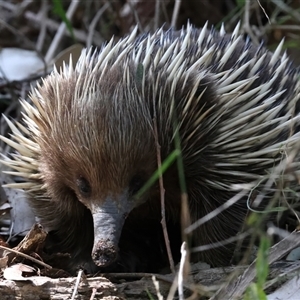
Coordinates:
[108,220]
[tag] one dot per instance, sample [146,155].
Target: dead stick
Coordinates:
[162,200]
[27,257]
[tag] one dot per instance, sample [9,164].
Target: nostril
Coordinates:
[104,253]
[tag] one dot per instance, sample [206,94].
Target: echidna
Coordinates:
[88,144]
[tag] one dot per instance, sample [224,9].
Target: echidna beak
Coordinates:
[108,220]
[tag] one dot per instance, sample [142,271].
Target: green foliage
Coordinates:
[262,262]
[176,154]
[149,295]
[165,165]
[256,290]
[59,11]
[255,293]
[240,3]
[255,217]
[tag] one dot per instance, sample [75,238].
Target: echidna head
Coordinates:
[96,147]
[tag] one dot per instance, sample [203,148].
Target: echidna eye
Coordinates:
[83,186]
[135,184]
